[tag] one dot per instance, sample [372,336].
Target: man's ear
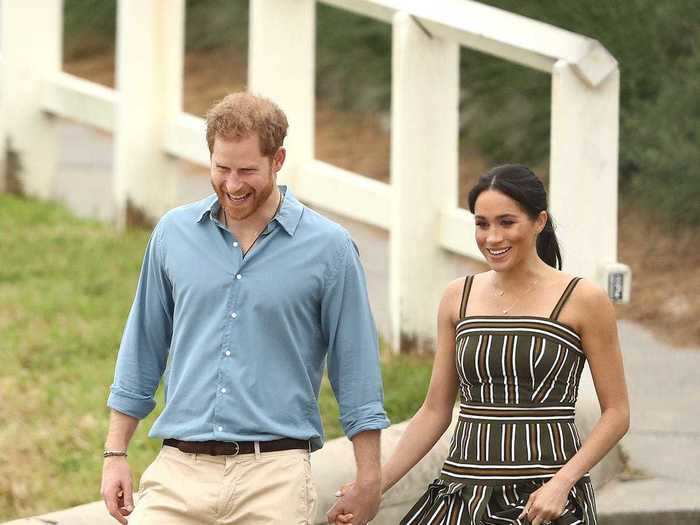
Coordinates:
[278,159]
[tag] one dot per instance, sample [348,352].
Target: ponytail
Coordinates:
[548,246]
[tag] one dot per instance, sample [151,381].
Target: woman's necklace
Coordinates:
[500,293]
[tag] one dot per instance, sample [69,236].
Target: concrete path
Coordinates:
[662,480]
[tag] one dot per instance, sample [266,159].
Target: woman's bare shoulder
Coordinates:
[455,288]
[453,291]
[452,299]
[590,293]
[592,305]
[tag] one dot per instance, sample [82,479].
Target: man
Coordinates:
[241,298]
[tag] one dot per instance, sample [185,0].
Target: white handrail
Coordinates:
[497,32]
[184,138]
[357,197]
[419,208]
[80,100]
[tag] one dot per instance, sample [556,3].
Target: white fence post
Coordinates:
[150,47]
[31,46]
[424,175]
[281,66]
[583,169]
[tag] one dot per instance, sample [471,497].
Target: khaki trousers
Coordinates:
[251,489]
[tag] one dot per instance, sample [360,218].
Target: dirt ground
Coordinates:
[665,265]
[665,261]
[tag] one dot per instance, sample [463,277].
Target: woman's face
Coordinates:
[505,234]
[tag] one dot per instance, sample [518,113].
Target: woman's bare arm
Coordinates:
[598,330]
[600,342]
[434,416]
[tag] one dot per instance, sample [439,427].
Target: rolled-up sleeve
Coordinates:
[146,340]
[353,349]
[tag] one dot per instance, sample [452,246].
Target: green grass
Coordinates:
[66,286]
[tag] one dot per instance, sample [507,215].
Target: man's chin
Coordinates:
[239,215]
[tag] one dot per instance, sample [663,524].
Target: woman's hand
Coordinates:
[547,503]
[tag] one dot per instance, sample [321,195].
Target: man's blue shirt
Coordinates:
[242,340]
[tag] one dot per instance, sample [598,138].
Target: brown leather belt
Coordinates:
[233,448]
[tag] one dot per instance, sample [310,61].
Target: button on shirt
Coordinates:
[243,340]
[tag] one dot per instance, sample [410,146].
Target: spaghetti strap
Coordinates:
[465,295]
[564,297]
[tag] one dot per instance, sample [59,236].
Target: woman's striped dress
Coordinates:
[518,380]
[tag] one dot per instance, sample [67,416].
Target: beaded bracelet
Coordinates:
[114,453]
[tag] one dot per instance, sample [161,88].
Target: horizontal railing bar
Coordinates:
[457,233]
[81,100]
[497,32]
[185,138]
[346,193]
[369,8]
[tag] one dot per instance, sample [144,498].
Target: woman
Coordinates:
[519,336]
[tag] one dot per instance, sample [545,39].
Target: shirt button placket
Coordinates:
[227,353]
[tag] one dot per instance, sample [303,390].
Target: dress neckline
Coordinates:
[528,317]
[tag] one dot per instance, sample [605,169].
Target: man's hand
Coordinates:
[547,503]
[117,490]
[357,505]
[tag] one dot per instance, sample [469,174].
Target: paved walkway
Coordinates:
[663,445]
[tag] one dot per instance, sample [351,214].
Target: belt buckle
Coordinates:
[238,448]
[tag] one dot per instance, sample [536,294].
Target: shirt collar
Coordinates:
[288,215]
[290,212]
[209,207]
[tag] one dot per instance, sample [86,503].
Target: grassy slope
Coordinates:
[65,289]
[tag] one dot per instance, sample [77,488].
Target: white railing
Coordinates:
[419,207]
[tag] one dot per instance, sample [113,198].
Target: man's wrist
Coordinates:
[114,453]
[369,482]
[385,486]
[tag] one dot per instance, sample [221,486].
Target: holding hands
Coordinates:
[357,504]
[547,503]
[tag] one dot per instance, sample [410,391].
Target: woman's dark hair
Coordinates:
[520,184]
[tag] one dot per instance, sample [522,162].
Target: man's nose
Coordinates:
[233,183]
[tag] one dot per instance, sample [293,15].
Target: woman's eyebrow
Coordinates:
[503,216]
